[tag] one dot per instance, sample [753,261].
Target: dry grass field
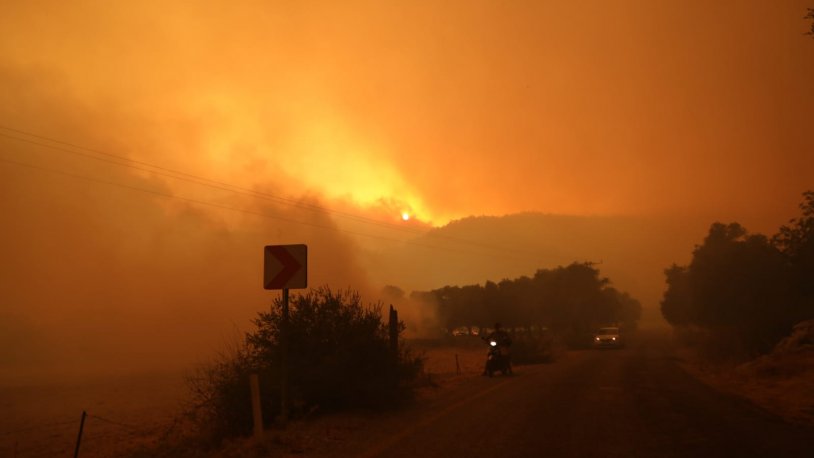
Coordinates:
[127,414]
[782,384]
[123,412]
[440,359]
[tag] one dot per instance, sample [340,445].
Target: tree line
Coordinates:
[742,293]
[569,300]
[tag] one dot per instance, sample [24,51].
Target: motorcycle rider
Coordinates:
[504,342]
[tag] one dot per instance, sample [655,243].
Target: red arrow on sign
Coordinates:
[285,266]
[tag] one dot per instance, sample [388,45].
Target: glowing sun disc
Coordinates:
[405,216]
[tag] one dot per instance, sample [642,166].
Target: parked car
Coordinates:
[609,337]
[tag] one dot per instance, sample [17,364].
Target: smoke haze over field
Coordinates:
[630,128]
[106,276]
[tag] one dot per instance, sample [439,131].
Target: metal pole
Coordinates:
[394,330]
[284,360]
[79,437]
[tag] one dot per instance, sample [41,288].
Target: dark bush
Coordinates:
[220,396]
[339,358]
[530,347]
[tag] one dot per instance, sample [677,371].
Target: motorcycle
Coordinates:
[497,359]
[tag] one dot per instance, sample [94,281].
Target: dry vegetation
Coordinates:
[781,382]
[148,410]
[126,412]
[325,435]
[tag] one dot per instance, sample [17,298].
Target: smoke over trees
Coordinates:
[745,291]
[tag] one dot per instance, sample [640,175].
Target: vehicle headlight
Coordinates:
[493,343]
[596,339]
[613,338]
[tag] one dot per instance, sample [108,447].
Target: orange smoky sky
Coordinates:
[695,111]
[447,108]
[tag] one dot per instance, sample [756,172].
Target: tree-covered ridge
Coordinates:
[746,291]
[572,299]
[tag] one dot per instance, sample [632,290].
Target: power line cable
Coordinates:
[38,427]
[200,180]
[203,181]
[183,176]
[186,199]
[113,422]
[241,210]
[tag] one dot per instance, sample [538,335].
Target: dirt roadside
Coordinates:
[780,382]
[775,384]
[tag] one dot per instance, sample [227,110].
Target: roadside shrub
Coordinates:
[221,396]
[339,352]
[532,347]
[339,358]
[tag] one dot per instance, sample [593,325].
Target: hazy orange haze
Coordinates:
[670,111]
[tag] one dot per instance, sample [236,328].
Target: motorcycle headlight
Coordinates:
[613,338]
[493,343]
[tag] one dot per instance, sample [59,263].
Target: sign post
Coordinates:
[285,267]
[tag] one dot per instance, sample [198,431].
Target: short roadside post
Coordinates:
[285,267]
[79,437]
[394,330]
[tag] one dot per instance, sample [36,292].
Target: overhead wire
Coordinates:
[60,145]
[38,427]
[191,178]
[235,209]
[216,184]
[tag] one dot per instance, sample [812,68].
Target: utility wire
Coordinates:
[235,209]
[113,422]
[183,176]
[124,161]
[186,199]
[37,427]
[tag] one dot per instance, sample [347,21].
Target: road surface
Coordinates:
[635,402]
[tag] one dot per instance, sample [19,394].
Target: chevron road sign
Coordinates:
[285,267]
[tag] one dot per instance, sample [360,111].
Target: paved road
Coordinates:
[635,402]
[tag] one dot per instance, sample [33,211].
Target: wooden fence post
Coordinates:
[79,437]
[394,330]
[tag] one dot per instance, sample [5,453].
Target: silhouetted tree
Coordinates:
[796,242]
[492,301]
[626,309]
[745,290]
[677,306]
[452,310]
[810,15]
[570,300]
